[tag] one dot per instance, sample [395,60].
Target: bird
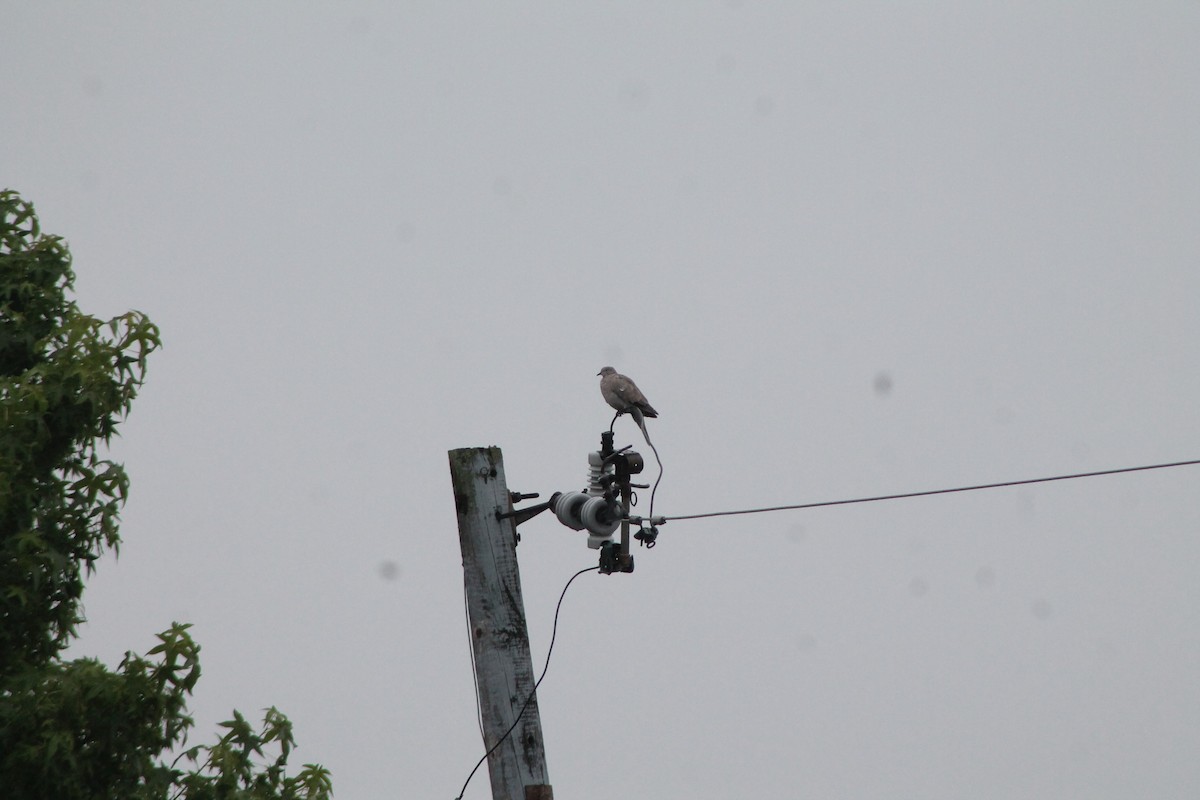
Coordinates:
[622,393]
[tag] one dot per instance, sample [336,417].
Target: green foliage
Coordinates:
[65,378]
[76,729]
[229,769]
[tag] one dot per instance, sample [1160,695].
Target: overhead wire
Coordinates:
[926,493]
[537,683]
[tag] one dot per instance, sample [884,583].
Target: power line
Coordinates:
[927,492]
[533,694]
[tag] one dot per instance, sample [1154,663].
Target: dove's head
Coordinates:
[607,371]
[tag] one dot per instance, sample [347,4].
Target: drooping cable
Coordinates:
[657,480]
[537,683]
[641,423]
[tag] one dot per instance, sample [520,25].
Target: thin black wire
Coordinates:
[933,491]
[474,672]
[658,480]
[533,694]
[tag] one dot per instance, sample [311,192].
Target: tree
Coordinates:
[76,729]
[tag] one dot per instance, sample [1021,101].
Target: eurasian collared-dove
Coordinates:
[623,394]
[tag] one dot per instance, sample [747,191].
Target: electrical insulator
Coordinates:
[597,469]
[567,506]
[593,509]
[599,516]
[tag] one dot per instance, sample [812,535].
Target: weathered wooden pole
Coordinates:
[503,667]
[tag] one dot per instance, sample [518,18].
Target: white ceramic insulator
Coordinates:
[567,508]
[597,469]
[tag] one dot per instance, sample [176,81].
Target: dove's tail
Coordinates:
[639,418]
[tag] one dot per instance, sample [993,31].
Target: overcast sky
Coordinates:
[844,249]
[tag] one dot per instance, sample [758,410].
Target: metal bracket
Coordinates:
[613,560]
[520,515]
[523,514]
[647,536]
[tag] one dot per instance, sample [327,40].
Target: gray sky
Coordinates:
[377,232]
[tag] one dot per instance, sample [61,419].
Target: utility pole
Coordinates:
[503,667]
